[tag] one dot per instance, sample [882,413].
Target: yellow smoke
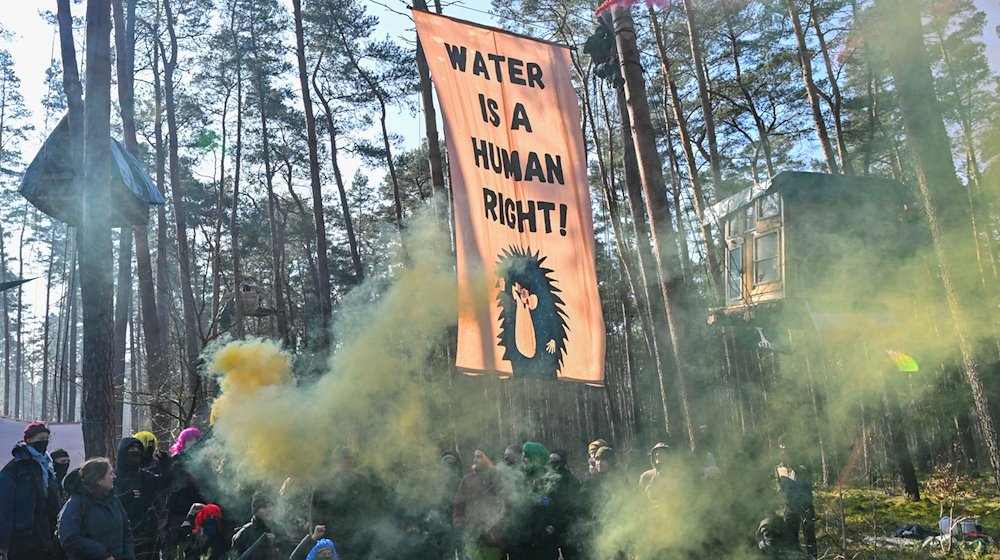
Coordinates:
[382,395]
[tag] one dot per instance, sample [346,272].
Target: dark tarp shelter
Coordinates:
[49,184]
[4,286]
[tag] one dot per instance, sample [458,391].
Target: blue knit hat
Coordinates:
[320,545]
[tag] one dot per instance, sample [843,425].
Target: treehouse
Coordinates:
[49,182]
[817,246]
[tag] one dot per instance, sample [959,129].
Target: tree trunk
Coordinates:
[383,115]
[124,24]
[163,305]
[46,328]
[234,228]
[74,116]
[323,267]
[835,99]
[938,184]
[5,301]
[96,285]
[647,272]
[277,273]
[123,308]
[220,195]
[18,339]
[352,240]
[812,92]
[696,189]
[651,174]
[430,119]
[703,95]
[191,327]
[71,364]
[900,451]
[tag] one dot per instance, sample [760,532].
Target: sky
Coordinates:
[35,43]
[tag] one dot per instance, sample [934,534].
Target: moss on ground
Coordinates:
[846,516]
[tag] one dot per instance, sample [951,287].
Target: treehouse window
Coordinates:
[766,261]
[734,274]
[770,206]
[751,221]
[736,226]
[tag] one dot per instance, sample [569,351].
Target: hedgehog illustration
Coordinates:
[533,329]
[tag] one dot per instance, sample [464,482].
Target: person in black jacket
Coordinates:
[256,539]
[93,525]
[137,488]
[30,499]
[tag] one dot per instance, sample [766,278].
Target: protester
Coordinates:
[94,525]
[351,503]
[314,546]
[479,510]
[185,439]
[201,535]
[30,499]
[592,455]
[149,448]
[706,444]
[650,479]
[535,538]
[796,488]
[512,455]
[137,488]
[60,462]
[183,491]
[256,540]
[567,500]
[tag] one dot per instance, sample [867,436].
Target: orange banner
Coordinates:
[528,299]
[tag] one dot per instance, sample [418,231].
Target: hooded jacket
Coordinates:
[479,508]
[27,511]
[136,488]
[94,527]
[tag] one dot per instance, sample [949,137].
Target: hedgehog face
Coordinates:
[533,329]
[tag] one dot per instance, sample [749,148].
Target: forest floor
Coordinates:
[854,522]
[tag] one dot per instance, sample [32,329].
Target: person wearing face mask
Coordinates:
[30,499]
[60,462]
[137,488]
[203,535]
[150,456]
[94,525]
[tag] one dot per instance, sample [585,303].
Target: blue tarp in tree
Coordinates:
[49,184]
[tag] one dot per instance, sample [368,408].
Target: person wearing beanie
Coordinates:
[60,462]
[605,461]
[324,549]
[536,534]
[315,547]
[201,534]
[137,488]
[591,454]
[30,499]
[256,540]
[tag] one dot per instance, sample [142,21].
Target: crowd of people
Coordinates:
[150,504]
